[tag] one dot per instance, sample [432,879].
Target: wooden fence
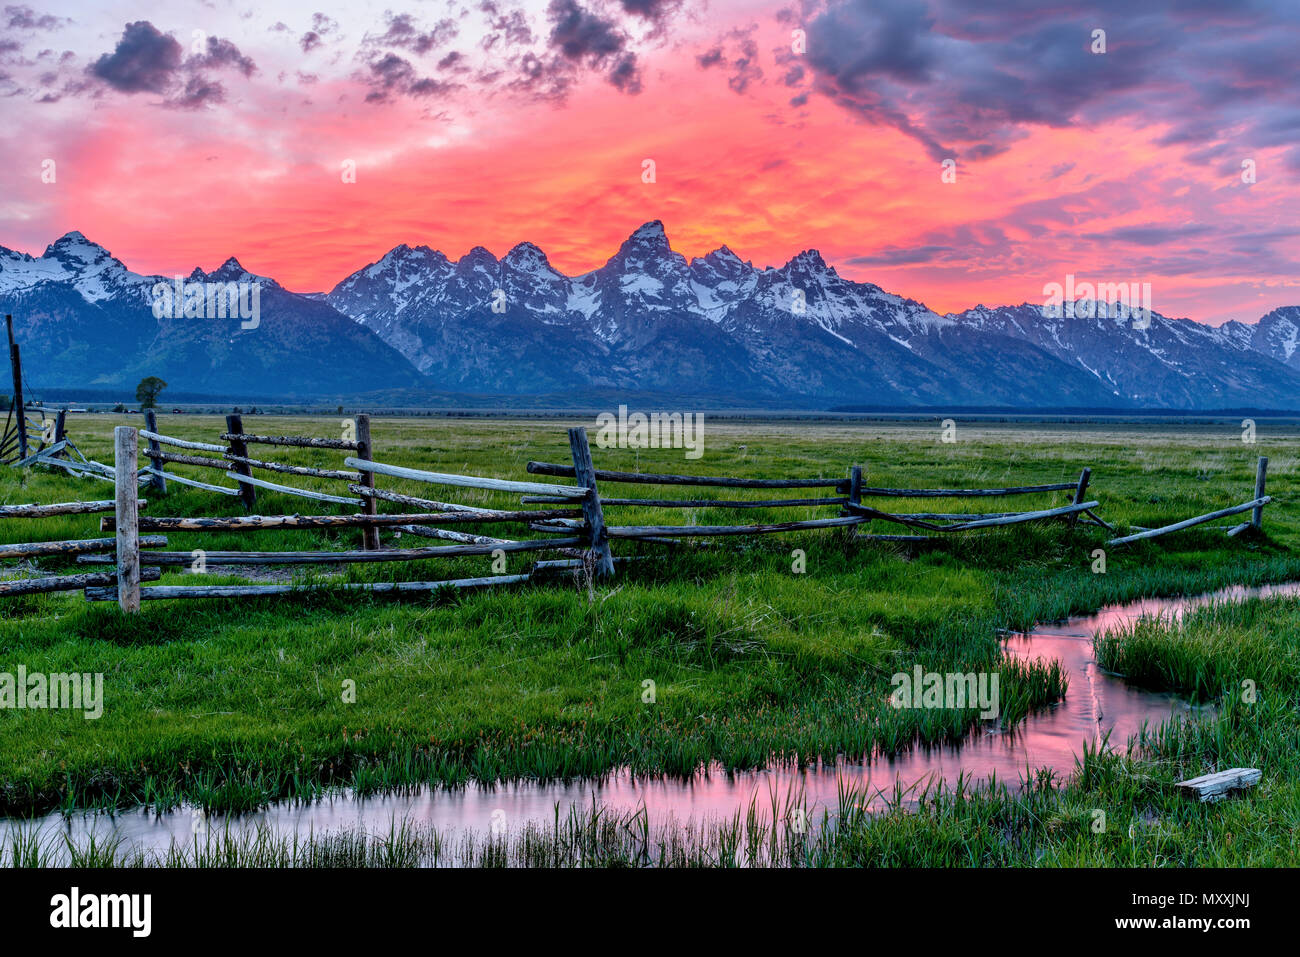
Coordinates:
[577,528]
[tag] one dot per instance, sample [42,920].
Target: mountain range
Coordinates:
[648,321]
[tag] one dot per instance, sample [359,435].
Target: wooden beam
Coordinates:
[675,531]
[233,435]
[305,470]
[693,503]
[1079,491]
[36,586]
[1218,784]
[964,492]
[164,592]
[154,436]
[84,546]
[428,503]
[58,508]
[602,561]
[178,459]
[362,556]
[228,523]
[467,481]
[1198,520]
[127,519]
[195,484]
[290,490]
[647,478]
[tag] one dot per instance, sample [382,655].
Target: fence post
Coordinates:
[247,492]
[369,533]
[1257,513]
[1079,491]
[585,474]
[127,514]
[20,407]
[156,480]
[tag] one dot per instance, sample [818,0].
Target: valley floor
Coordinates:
[232,704]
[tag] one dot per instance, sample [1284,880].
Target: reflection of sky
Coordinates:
[491,123]
[1096,704]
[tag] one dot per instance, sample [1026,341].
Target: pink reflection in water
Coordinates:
[1096,703]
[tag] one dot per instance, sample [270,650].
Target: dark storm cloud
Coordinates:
[584,38]
[146,60]
[962,76]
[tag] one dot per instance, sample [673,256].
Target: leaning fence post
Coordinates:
[585,474]
[156,479]
[1261,470]
[369,533]
[1079,491]
[127,517]
[235,426]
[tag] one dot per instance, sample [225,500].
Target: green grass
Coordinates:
[235,704]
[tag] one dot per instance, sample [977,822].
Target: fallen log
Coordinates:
[1218,784]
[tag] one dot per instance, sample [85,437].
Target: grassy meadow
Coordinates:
[234,703]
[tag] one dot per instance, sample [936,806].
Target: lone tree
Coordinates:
[147,392]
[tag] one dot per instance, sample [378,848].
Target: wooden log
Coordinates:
[254,522]
[361,556]
[1099,520]
[37,456]
[467,481]
[304,470]
[35,586]
[647,478]
[1198,520]
[693,503]
[58,508]
[855,489]
[446,534]
[171,476]
[676,531]
[84,546]
[233,436]
[1261,471]
[602,561]
[126,519]
[289,490]
[233,433]
[1013,518]
[165,592]
[61,426]
[178,459]
[156,437]
[429,503]
[1218,784]
[1238,529]
[157,479]
[964,492]
[366,452]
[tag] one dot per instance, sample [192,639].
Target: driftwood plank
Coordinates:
[649,478]
[1217,785]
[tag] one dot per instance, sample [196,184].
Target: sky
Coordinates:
[952,151]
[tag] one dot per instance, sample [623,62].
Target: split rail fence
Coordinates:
[575,526]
